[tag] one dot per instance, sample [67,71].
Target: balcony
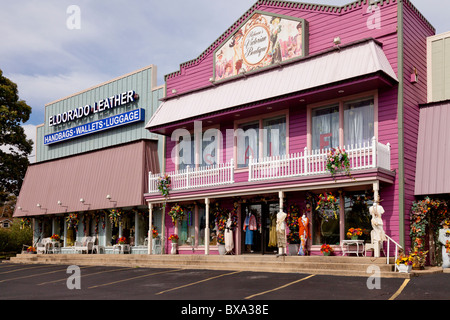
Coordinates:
[303,164]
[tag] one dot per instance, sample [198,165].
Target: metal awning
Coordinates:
[356,60]
[58,186]
[433,152]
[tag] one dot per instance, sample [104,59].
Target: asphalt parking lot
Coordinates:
[191,287]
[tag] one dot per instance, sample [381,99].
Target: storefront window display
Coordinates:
[186,227]
[357,213]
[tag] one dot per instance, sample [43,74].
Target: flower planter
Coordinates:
[403,268]
[326,254]
[293,249]
[221,249]
[354,237]
[173,250]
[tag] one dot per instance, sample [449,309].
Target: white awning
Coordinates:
[352,61]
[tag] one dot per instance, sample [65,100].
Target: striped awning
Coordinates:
[57,186]
[433,151]
[349,62]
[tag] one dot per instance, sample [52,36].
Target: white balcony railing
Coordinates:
[208,176]
[364,156]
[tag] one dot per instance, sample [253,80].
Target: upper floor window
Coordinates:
[263,137]
[344,123]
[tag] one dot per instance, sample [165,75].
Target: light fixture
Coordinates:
[337,41]
[59,203]
[82,200]
[108,197]
[19,208]
[174,91]
[341,91]
[38,205]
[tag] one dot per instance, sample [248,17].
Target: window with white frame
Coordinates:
[344,123]
[264,137]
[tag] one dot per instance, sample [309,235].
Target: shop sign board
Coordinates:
[126,118]
[263,40]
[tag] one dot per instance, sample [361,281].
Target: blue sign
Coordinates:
[96,126]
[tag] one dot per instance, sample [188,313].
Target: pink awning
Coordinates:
[58,185]
[433,152]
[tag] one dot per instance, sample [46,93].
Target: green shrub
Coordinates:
[13,239]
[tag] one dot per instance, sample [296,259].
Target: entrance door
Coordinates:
[259,240]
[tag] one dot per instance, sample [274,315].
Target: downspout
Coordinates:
[400,120]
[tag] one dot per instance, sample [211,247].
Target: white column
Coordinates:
[150,233]
[376,189]
[163,230]
[136,228]
[281,196]
[207,226]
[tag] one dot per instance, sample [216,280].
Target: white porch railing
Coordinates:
[216,175]
[397,247]
[364,156]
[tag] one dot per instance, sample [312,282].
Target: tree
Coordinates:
[15,147]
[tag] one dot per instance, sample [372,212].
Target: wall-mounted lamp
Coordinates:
[174,91]
[59,203]
[337,41]
[82,200]
[19,208]
[108,197]
[38,205]
[414,75]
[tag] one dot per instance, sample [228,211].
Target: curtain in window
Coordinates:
[274,136]
[247,143]
[358,122]
[325,127]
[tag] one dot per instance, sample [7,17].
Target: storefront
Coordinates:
[93,158]
[259,111]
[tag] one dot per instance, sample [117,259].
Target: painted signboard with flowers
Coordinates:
[264,39]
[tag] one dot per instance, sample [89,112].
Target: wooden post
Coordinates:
[150,232]
[207,226]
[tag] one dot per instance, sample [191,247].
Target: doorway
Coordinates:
[263,239]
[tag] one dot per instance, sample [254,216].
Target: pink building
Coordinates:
[249,124]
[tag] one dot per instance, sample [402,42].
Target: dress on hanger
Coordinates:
[273,231]
[304,234]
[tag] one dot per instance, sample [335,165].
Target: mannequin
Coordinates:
[376,211]
[281,233]
[229,243]
[304,234]
[444,236]
[249,227]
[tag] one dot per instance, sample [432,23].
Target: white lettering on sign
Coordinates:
[256,44]
[102,105]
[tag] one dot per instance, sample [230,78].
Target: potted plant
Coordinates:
[31,250]
[122,240]
[354,233]
[174,239]
[419,259]
[326,249]
[404,264]
[55,238]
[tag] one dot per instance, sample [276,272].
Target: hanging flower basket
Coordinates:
[176,213]
[164,184]
[327,206]
[72,221]
[337,161]
[115,216]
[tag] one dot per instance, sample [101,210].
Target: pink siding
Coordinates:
[350,25]
[415,55]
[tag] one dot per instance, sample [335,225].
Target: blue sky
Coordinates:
[49,61]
